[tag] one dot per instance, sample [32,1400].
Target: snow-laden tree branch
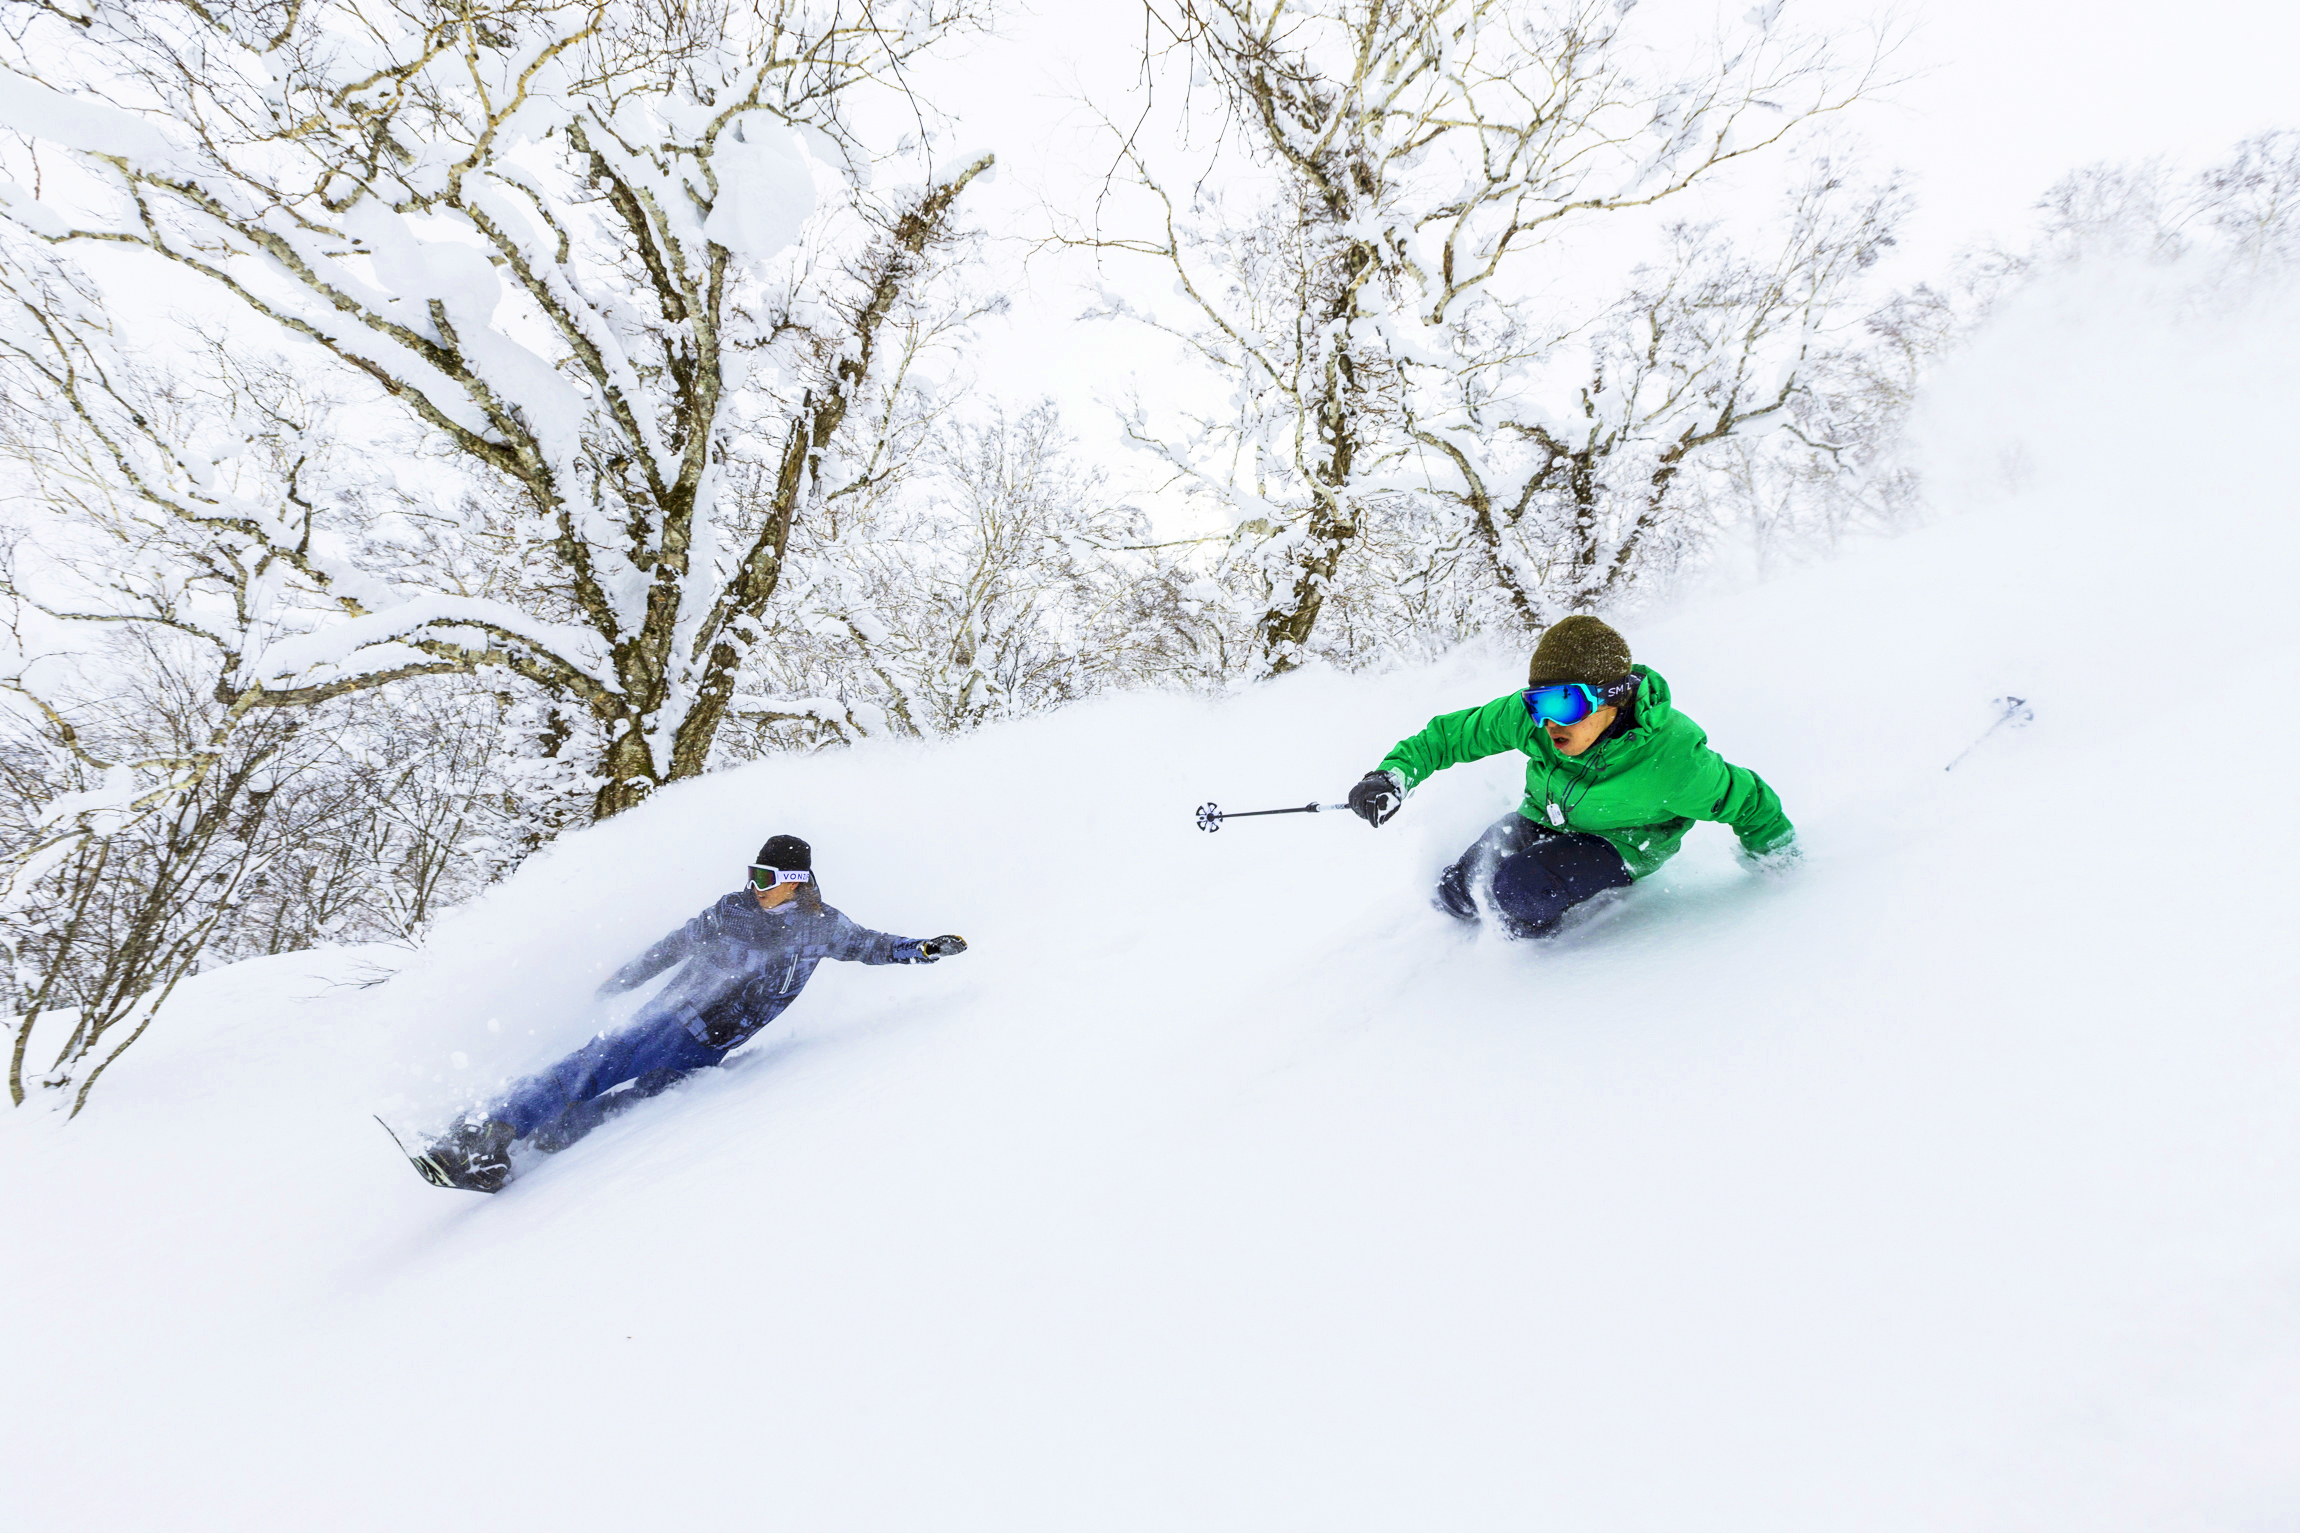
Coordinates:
[587,245]
[1002,580]
[167,545]
[1708,345]
[1381,287]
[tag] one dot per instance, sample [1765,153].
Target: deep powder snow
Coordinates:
[1952,1183]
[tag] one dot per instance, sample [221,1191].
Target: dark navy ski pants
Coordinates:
[560,1104]
[1533,874]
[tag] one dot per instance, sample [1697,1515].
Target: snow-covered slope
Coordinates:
[1953,1183]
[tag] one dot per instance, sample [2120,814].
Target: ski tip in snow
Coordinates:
[426,1167]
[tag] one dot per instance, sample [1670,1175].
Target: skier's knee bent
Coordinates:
[1469,879]
[1530,875]
[1534,888]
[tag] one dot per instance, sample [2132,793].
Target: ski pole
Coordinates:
[1210,816]
[2016,711]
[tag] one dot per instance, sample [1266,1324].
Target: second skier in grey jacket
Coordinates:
[740,965]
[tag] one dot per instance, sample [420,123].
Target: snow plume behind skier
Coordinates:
[1615,776]
[740,964]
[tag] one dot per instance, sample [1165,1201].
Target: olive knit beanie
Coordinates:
[1581,649]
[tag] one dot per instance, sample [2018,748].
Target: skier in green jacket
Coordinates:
[1615,777]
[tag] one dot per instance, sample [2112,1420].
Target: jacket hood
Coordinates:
[1652,692]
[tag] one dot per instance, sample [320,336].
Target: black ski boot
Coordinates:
[473,1156]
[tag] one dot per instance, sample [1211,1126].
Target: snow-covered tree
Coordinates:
[1003,580]
[1707,348]
[171,804]
[556,268]
[2243,212]
[597,249]
[1374,293]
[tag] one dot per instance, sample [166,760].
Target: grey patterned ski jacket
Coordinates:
[744,965]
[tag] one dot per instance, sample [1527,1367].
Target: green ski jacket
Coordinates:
[1641,790]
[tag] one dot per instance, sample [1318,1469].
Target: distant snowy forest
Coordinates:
[562,400]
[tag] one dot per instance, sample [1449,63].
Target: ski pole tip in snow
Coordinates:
[2010,710]
[1209,817]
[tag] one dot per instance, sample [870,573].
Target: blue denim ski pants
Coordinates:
[1534,874]
[560,1104]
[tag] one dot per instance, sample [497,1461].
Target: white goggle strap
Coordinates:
[782,875]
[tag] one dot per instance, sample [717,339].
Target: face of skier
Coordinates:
[1573,739]
[780,894]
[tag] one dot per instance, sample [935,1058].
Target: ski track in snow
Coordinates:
[1953,1182]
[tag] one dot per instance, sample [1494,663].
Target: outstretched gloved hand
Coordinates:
[1377,797]
[940,947]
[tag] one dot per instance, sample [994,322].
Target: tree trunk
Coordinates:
[1285,628]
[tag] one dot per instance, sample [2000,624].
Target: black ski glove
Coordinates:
[1376,797]
[939,947]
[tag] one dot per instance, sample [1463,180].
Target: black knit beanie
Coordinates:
[1578,648]
[786,854]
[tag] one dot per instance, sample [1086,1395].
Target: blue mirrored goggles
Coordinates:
[1569,702]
